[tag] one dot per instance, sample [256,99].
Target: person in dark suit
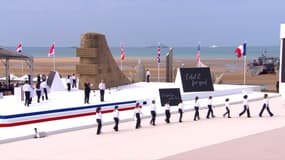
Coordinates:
[38,91]
[87,90]
[153,112]
[116,118]
[138,113]
[99,120]
[196,107]
[180,110]
[210,108]
[265,106]
[227,105]
[167,112]
[245,107]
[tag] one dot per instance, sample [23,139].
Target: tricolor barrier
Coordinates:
[18,119]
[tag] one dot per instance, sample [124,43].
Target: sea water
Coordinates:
[149,52]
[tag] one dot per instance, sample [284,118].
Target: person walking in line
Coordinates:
[68,83]
[167,112]
[138,113]
[210,108]
[44,87]
[147,74]
[87,90]
[116,118]
[99,120]
[38,91]
[153,112]
[245,107]
[196,107]
[227,105]
[180,110]
[265,106]
[102,87]
[27,88]
[74,80]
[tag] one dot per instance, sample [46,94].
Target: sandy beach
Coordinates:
[232,69]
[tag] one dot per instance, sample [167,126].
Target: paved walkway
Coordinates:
[163,140]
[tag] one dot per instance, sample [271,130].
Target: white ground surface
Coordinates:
[149,142]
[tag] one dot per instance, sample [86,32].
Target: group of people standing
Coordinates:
[71,81]
[41,90]
[153,107]
[87,90]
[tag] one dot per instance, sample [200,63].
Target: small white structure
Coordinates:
[282,61]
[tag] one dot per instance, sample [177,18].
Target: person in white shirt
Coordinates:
[102,87]
[265,106]
[210,108]
[196,107]
[99,120]
[180,110]
[74,80]
[147,75]
[116,118]
[153,112]
[44,87]
[167,112]
[245,107]
[27,90]
[138,113]
[68,83]
[227,105]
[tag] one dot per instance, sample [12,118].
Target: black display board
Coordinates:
[169,94]
[196,79]
[50,78]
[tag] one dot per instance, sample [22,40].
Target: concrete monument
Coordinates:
[97,63]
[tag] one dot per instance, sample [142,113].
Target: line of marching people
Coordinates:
[153,107]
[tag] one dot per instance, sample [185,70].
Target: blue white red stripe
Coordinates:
[59,114]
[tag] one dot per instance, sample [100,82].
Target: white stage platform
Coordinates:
[66,111]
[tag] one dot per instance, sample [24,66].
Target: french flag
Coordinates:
[19,48]
[51,50]
[241,50]
[122,52]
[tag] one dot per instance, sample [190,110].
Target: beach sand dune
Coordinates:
[232,68]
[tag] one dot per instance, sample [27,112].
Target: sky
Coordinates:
[142,22]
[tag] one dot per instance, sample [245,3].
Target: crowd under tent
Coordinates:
[6,55]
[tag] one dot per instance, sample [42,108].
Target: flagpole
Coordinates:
[244,70]
[158,67]
[54,62]
[121,65]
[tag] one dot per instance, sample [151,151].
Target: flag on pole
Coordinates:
[51,50]
[241,50]
[158,54]
[122,52]
[198,54]
[19,48]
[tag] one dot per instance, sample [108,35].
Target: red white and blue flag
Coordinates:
[122,50]
[198,54]
[241,50]
[19,48]
[51,50]
[158,54]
